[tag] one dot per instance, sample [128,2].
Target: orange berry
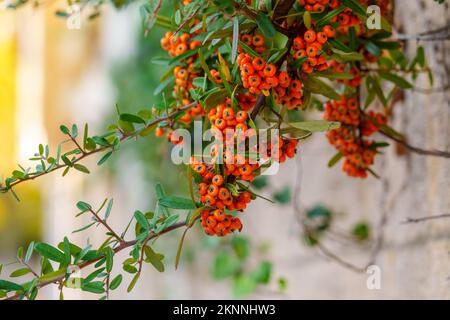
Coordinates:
[228,114]
[311,51]
[217,180]
[219,215]
[211,222]
[209,200]
[241,116]
[258,63]
[245,170]
[159,132]
[247,39]
[310,36]
[322,37]
[213,190]
[254,81]
[202,188]
[329,32]
[269,70]
[224,194]
[258,40]
[220,124]
[200,168]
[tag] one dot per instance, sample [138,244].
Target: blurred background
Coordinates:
[52,75]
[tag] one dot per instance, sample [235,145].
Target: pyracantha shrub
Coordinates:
[238,67]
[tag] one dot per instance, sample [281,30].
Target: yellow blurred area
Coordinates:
[19,222]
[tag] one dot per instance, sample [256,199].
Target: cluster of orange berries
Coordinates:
[228,123]
[318,5]
[358,152]
[256,74]
[342,68]
[286,148]
[213,191]
[247,101]
[191,113]
[345,19]
[309,45]
[255,42]
[289,92]
[218,223]
[175,46]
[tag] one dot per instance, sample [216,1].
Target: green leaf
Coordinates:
[142,220]
[66,246]
[262,273]
[248,50]
[10,286]
[356,7]
[283,196]
[104,158]
[316,125]
[343,56]
[93,287]
[109,208]
[361,231]
[154,258]
[64,129]
[243,285]
[307,19]
[83,206]
[326,19]
[180,248]
[317,86]
[397,80]
[235,41]
[50,252]
[29,252]
[265,25]
[74,131]
[115,283]
[20,272]
[224,265]
[241,247]
[20,253]
[133,282]
[128,117]
[336,158]
[109,259]
[163,85]
[174,202]
[333,75]
[81,168]
[216,97]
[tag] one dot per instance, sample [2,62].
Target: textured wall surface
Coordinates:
[414,259]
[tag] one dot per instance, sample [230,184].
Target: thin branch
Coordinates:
[107,226]
[74,140]
[258,107]
[102,149]
[424,152]
[153,17]
[423,219]
[122,246]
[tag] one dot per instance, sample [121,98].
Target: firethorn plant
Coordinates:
[236,66]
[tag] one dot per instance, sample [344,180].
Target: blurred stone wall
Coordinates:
[414,259]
